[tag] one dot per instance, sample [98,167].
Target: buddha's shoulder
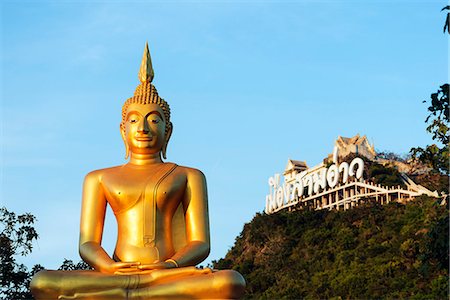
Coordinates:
[189,172]
[101,173]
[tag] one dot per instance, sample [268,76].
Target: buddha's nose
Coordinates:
[143,126]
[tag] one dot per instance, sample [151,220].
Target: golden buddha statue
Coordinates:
[162,216]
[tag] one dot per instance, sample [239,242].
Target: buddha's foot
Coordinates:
[103,295]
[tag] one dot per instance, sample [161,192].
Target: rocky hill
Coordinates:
[369,252]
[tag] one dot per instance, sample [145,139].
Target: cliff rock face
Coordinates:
[373,251]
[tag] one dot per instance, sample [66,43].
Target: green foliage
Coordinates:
[432,181]
[389,155]
[385,175]
[16,238]
[372,251]
[389,176]
[433,155]
[447,20]
[439,115]
[69,265]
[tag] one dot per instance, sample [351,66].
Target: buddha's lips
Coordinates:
[143,139]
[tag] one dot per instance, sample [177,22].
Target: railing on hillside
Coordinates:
[351,194]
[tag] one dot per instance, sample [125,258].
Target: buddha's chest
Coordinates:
[151,188]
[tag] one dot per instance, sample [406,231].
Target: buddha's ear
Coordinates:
[127,148]
[168,134]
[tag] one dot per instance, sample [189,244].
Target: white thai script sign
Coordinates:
[306,184]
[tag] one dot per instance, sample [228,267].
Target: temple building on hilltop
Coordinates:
[294,167]
[344,146]
[336,183]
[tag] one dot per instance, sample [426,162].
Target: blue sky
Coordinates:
[250,84]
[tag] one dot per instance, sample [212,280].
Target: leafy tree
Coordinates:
[433,155]
[447,20]
[16,238]
[69,265]
[439,113]
[386,175]
[389,155]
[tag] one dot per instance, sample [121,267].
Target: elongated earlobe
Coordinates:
[127,148]
[168,134]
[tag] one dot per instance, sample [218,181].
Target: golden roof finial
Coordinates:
[146,73]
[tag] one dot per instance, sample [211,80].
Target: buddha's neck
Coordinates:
[145,159]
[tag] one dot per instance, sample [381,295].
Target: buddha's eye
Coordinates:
[133,119]
[154,119]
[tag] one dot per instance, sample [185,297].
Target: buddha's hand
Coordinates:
[120,267]
[158,265]
[137,268]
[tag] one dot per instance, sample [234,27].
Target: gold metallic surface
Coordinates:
[146,71]
[162,215]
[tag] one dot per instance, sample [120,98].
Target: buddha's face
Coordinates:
[145,127]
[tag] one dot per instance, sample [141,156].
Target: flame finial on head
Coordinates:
[146,73]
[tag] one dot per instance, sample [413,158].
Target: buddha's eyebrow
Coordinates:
[156,113]
[150,113]
[133,112]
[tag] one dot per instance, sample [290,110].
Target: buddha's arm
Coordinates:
[195,203]
[93,211]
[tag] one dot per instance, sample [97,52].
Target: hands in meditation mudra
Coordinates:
[162,216]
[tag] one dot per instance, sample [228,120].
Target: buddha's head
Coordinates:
[146,126]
